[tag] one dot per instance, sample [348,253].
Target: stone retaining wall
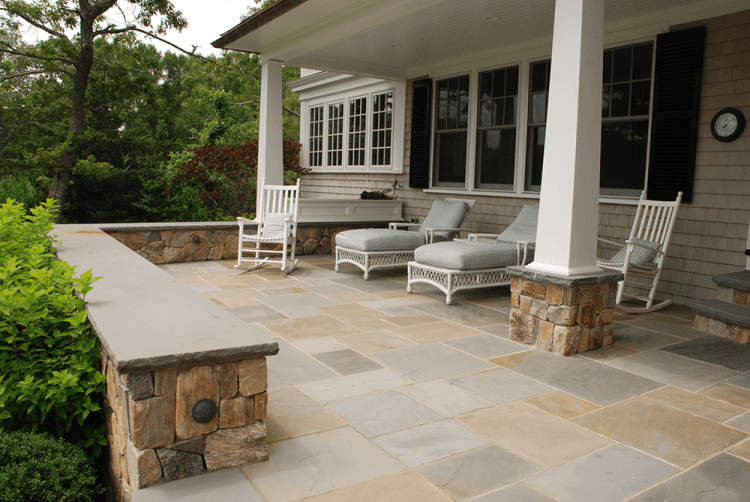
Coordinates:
[154,436]
[178,243]
[563,318]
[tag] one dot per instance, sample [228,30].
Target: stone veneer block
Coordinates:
[253,375]
[144,468]
[522,326]
[165,382]
[141,386]
[232,412]
[261,406]
[180,464]
[193,385]
[195,445]
[227,375]
[234,447]
[152,422]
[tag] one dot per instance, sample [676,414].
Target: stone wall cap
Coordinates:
[731,313]
[148,320]
[736,280]
[564,280]
[166,225]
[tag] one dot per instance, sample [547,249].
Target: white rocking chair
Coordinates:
[641,258]
[276,220]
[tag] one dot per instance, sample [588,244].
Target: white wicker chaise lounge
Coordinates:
[371,248]
[480,262]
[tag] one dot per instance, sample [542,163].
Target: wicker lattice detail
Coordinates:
[449,281]
[374,259]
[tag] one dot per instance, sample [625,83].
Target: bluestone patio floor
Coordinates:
[380,395]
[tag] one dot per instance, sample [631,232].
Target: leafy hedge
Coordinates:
[50,379]
[39,468]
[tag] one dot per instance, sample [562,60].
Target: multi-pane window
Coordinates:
[357,131]
[496,128]
[626,102]
[316,136]
[451,131]
[382,125]
[538,99]
[336,134]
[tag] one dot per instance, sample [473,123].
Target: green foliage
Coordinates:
[39,468]
[49,356]
[20,186]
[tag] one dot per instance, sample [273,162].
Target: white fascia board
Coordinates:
[348,87]
[315,80]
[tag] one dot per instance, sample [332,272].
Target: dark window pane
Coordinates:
[624,146]
[639,103]
[496,157]
[536,156]
[538,108]
[463,116]
[452,116]
[464,89]
[606,100]
[442,118]
[620,100]
[442,93]
[642,57]
[621,65]
[511,110]
[511,81]
[485,85]
[388,157]
[451,157]
[539,77]
[498,83]
[485,113]
[607,73]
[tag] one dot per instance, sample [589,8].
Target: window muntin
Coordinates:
[357,132]
[451,132]
[496,129]
[626,103]
[316,137]
[539,73]
[382,125]
[335,149]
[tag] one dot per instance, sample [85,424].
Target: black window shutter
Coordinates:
[674,130]
[419,164]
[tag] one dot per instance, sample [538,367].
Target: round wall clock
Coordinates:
[728,124]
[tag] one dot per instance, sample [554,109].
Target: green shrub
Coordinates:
[39,468]
[49,355]
[20,187]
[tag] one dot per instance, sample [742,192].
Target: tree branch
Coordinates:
[255,101]
[38,72]
[37,24]
[13,52]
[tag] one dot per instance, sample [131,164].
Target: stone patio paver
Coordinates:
[477,472]
[428,387]
[347,362]
[607,475]
[429,442]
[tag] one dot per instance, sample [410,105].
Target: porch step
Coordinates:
[729,313]
[734,280]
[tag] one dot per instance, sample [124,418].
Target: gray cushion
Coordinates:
[444,214]
[640,256]
[273,224]
[463,255]
[379,239]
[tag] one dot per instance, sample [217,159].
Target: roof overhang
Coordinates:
[407,38]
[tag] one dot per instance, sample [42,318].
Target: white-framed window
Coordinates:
[316,136]
[508,133]
[357,132]
[335,150]
[364,127]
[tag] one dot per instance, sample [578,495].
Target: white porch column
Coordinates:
[270,137]
[569,205]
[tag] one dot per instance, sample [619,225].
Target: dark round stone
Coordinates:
[204,410]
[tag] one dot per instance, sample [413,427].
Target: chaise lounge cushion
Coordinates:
[445,214]
[379,239]
[463,255]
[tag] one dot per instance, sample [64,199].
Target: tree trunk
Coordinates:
[58,189]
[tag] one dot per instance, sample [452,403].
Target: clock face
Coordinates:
[728,124]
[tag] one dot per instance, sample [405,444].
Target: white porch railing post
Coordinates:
[270,137]
[569,205]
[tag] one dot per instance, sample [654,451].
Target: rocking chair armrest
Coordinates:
[611,242]
[396,225]
[245,221]
[634,243]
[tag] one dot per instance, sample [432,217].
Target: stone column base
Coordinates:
[566,315]
[156,432]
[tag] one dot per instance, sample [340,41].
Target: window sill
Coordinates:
[358,171]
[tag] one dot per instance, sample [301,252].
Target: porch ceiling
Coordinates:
[394,38]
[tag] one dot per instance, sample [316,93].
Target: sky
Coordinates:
[206,22]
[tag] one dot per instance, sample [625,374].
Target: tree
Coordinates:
[72,27]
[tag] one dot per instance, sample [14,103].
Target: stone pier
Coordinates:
[565,315]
